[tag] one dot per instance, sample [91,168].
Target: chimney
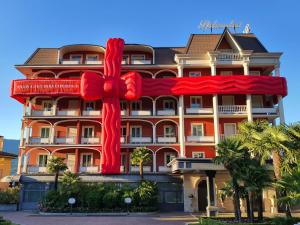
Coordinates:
[1,143]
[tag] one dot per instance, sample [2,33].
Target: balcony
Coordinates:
[91,113]
[123,112]
[36,169]
[137,168]
[140,61]
[68,112]
[90,140]
[267,111]
[94,62]
[68,61]
[166,139]
[122,139]
[199,110]
[89,169]
[65,140]
[166,112]
[140,140]
[38,140]
[198,139]
[229,56]
[141,112]
[41,113]
[233,109]
[224,136]
[164,169]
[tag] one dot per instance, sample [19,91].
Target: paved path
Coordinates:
[28,218]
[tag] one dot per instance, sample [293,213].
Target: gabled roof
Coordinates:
[7,155]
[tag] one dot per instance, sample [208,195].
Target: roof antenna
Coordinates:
[247,29]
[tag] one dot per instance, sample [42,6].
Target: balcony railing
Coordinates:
[39,140]
[164,169]
[233,109]
[41,113]
[229,56]
[93,62]
[68,112]
[140,62]
[198,139]
[199,110]
[91,112]
[140,140]
[273,110]
[65,140]
[223,136]
[68,61]
[36,169]
[90,140]
[122,139]
[89,169]
[137,168]
[141,112]
[166,112]
[166,139]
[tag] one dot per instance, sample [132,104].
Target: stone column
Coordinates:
[279,97]
[19,163]
[248,97]
[215,109]
[211,196]
[24,170]
[181,137]
[154,163]
[78,138]
[77,163]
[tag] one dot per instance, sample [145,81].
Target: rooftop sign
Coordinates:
[206,24]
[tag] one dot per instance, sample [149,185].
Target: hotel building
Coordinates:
[181,131]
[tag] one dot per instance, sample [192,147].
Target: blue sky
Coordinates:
[28,24]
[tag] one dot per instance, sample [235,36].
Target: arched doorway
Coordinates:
[202,196]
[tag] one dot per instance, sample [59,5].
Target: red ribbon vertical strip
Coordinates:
[110,159]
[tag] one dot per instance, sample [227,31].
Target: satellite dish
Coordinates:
[247,29]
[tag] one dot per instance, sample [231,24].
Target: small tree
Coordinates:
[70,183]
[56,165]
[140,157]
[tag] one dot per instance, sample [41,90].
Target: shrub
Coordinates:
[146,194]
[284,221]
[10,196]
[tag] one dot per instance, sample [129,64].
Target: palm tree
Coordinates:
[255,177]
[289,186]
[231,153]
[140,157]
[56,165]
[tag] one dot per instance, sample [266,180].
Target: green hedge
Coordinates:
[9,196]
[5,222]
[102,198]
[272,221]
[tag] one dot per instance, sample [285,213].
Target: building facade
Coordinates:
[181,131]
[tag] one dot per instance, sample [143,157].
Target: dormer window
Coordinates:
[92,58]
[76,58]
[195,74]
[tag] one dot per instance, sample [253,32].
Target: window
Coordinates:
[196,101]
[47,105]
[71,131]
[254,72]
[198,155]
[138,57]
[123,159]
[89,106]
[42,160]
[45,132]
[229,129]
[88,132]
[257,101]
[228,100]
[136,131]
[168,104]
[226,73]
[195,74]
[197,130]
[86,160]
[125,59]
[77,58]
[169,156]
[123,105]
[169,131]
[136,105]
[123,131]
[73,104]
[91,57]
